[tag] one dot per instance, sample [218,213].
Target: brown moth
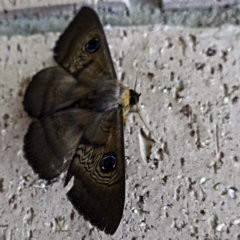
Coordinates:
[79,108]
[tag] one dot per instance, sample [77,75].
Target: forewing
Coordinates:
[71,51]
[51,141]
[98,190]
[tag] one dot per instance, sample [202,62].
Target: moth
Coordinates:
[79,109]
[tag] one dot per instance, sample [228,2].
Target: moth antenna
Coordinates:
[135,85]
[138,110]
[148,128]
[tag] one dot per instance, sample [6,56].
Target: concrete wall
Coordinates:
[183,184]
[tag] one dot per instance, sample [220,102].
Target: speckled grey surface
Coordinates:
[182,185]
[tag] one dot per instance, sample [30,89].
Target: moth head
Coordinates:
[134,97]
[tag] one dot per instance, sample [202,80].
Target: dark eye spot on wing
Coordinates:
[93,45]
[109,162]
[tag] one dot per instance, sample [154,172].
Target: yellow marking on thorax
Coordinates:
[126,103]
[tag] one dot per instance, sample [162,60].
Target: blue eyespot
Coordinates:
[108,163]
[93,45]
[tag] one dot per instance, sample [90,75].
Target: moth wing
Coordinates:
[51,141]
[51,90]
[98,168]
[82,49]
[65,132]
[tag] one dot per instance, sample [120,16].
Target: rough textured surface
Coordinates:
[43,16]
[168,4]
[14,4]
[190,4]
[183,184]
